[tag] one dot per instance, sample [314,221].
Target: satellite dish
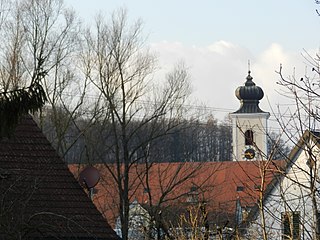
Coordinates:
[89,177]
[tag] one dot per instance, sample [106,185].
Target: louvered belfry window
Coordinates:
[291,225]
[248,137]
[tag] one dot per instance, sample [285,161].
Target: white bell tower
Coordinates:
[249,124]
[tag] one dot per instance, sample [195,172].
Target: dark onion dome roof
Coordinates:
[249,96]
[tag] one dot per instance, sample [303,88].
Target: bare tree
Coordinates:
[55,37]
[137,111]
[21,88]
[290,203]
[40,42]
[169,189]
[304,93]
[192,225]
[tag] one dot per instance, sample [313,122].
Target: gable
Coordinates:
[290,192]
[39,196]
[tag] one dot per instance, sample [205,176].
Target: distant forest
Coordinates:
[87,141]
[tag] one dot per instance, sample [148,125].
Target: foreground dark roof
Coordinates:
[39,197]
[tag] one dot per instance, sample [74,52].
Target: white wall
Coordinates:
[291,196]
[241,122]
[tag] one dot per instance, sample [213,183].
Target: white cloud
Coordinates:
[218,69]
[266,68]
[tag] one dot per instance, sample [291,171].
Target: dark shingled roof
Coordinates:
[39,197]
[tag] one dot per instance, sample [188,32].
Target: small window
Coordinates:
[240,188]
[193,189]
[290,225]
[193,195]
[248,135]
[257,187]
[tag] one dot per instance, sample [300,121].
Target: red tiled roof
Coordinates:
[217,184]
[39,196]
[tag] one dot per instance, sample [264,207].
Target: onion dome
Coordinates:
[249,96]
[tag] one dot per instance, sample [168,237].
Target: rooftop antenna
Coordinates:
[89,177]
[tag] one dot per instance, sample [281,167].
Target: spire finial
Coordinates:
[249,78]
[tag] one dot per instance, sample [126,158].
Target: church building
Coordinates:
[249,124]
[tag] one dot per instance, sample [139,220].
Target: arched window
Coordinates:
[248,137]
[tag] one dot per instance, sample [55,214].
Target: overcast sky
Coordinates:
[216,38]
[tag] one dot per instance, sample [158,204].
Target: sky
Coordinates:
[216,39]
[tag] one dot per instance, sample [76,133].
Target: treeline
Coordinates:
[189,140]
[92,141]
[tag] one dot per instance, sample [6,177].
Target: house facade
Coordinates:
[139,222]
[291,206]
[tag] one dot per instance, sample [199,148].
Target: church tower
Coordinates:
[249,124]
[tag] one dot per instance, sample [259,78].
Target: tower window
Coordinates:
[248,135]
